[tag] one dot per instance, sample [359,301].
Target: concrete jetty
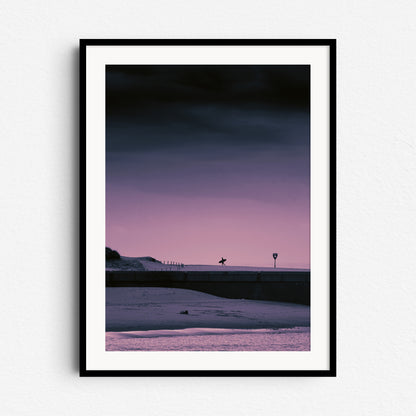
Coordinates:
[283,286]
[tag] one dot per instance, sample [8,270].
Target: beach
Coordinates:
[166,319]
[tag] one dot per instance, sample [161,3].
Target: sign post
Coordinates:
[275,257]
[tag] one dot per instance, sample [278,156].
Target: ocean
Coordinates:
[209,339]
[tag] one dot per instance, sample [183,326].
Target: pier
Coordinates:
[283,286]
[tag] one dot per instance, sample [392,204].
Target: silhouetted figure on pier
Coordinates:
[222,261]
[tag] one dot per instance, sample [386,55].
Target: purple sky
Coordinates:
[208,161]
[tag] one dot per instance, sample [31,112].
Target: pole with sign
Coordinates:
[275,257]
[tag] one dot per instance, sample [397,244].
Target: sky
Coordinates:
[209,161]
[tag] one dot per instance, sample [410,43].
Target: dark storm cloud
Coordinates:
[222,131]
[134,88]
[234,128]
[158,106]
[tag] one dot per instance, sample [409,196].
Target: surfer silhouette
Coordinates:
[222,261]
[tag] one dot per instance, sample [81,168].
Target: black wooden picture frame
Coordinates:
[91,269]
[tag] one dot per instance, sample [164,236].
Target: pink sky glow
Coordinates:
[201,230]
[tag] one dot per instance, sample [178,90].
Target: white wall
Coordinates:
[376,203]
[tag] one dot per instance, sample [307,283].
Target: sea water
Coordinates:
[211,339]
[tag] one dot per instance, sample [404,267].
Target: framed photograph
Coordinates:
[207,208]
